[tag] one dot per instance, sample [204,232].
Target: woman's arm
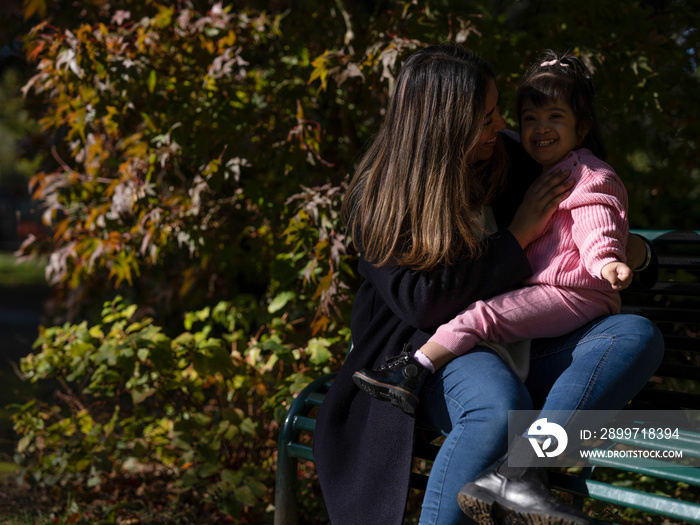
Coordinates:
[638,253]
[430,298]
[642,258]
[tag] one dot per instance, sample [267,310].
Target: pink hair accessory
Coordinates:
[552,63]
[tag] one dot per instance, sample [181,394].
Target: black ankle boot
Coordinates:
[516,496]
[399,381]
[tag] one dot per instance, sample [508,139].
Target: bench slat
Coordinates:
[673,288]
[418,481]
[425,450]
[679,262]
[670,236]
[665,398]
[688,442]
[660,505]
[315,399]
[644,501]
[674,315]
[678,371]
[304,423]
[651,467]
[300,451]
[682,342]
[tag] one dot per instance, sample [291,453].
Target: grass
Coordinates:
[18,506]
[13,273]
[19,286]
[16,503]
[7,469]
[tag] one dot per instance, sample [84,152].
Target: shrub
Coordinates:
[134,406]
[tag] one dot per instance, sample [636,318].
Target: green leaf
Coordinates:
[203,420]
[247,426]
[318,351]
[142,354]
[152,81]
[232,477]
[207,470]
[245,495]
[280,301]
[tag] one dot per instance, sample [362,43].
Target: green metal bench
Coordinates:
[674,305]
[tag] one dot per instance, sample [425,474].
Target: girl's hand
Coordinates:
[618,274]
[539,204]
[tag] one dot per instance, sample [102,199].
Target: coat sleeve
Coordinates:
[428,299]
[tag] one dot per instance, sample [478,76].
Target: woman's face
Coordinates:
[493,123]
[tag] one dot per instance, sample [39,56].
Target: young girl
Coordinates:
[578,264]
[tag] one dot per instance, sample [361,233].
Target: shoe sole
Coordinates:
[478,505]
[482,506]
[513,517]
[398,397]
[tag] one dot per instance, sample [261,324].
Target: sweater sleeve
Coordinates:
[428,299]
[599,212]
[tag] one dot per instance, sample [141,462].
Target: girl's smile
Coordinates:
[549,132]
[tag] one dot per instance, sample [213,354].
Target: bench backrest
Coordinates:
[674,305]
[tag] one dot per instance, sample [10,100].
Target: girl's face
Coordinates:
[493,123]
[548,133]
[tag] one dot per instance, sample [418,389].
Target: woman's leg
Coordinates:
[468,401]
[598,367]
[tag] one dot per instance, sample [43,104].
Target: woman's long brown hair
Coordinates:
[415,200]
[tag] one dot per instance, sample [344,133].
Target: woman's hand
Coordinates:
[539,204]
[636,251]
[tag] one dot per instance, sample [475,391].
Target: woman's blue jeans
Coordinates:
[598,367]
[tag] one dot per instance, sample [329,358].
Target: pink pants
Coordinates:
[539,310]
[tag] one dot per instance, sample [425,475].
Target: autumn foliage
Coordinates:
[195,157]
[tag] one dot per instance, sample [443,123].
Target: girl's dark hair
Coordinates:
[416,197]
[564,77]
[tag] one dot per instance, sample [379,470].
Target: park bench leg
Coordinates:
[285,489]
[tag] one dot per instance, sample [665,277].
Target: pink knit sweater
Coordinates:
[588,231]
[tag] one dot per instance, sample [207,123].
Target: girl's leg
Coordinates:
[598,367]
[468,401]
[534,311]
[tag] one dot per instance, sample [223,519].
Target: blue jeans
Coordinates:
[598,367]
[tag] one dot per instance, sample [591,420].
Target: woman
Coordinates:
[417,206]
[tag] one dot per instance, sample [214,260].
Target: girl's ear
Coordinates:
[583,130]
